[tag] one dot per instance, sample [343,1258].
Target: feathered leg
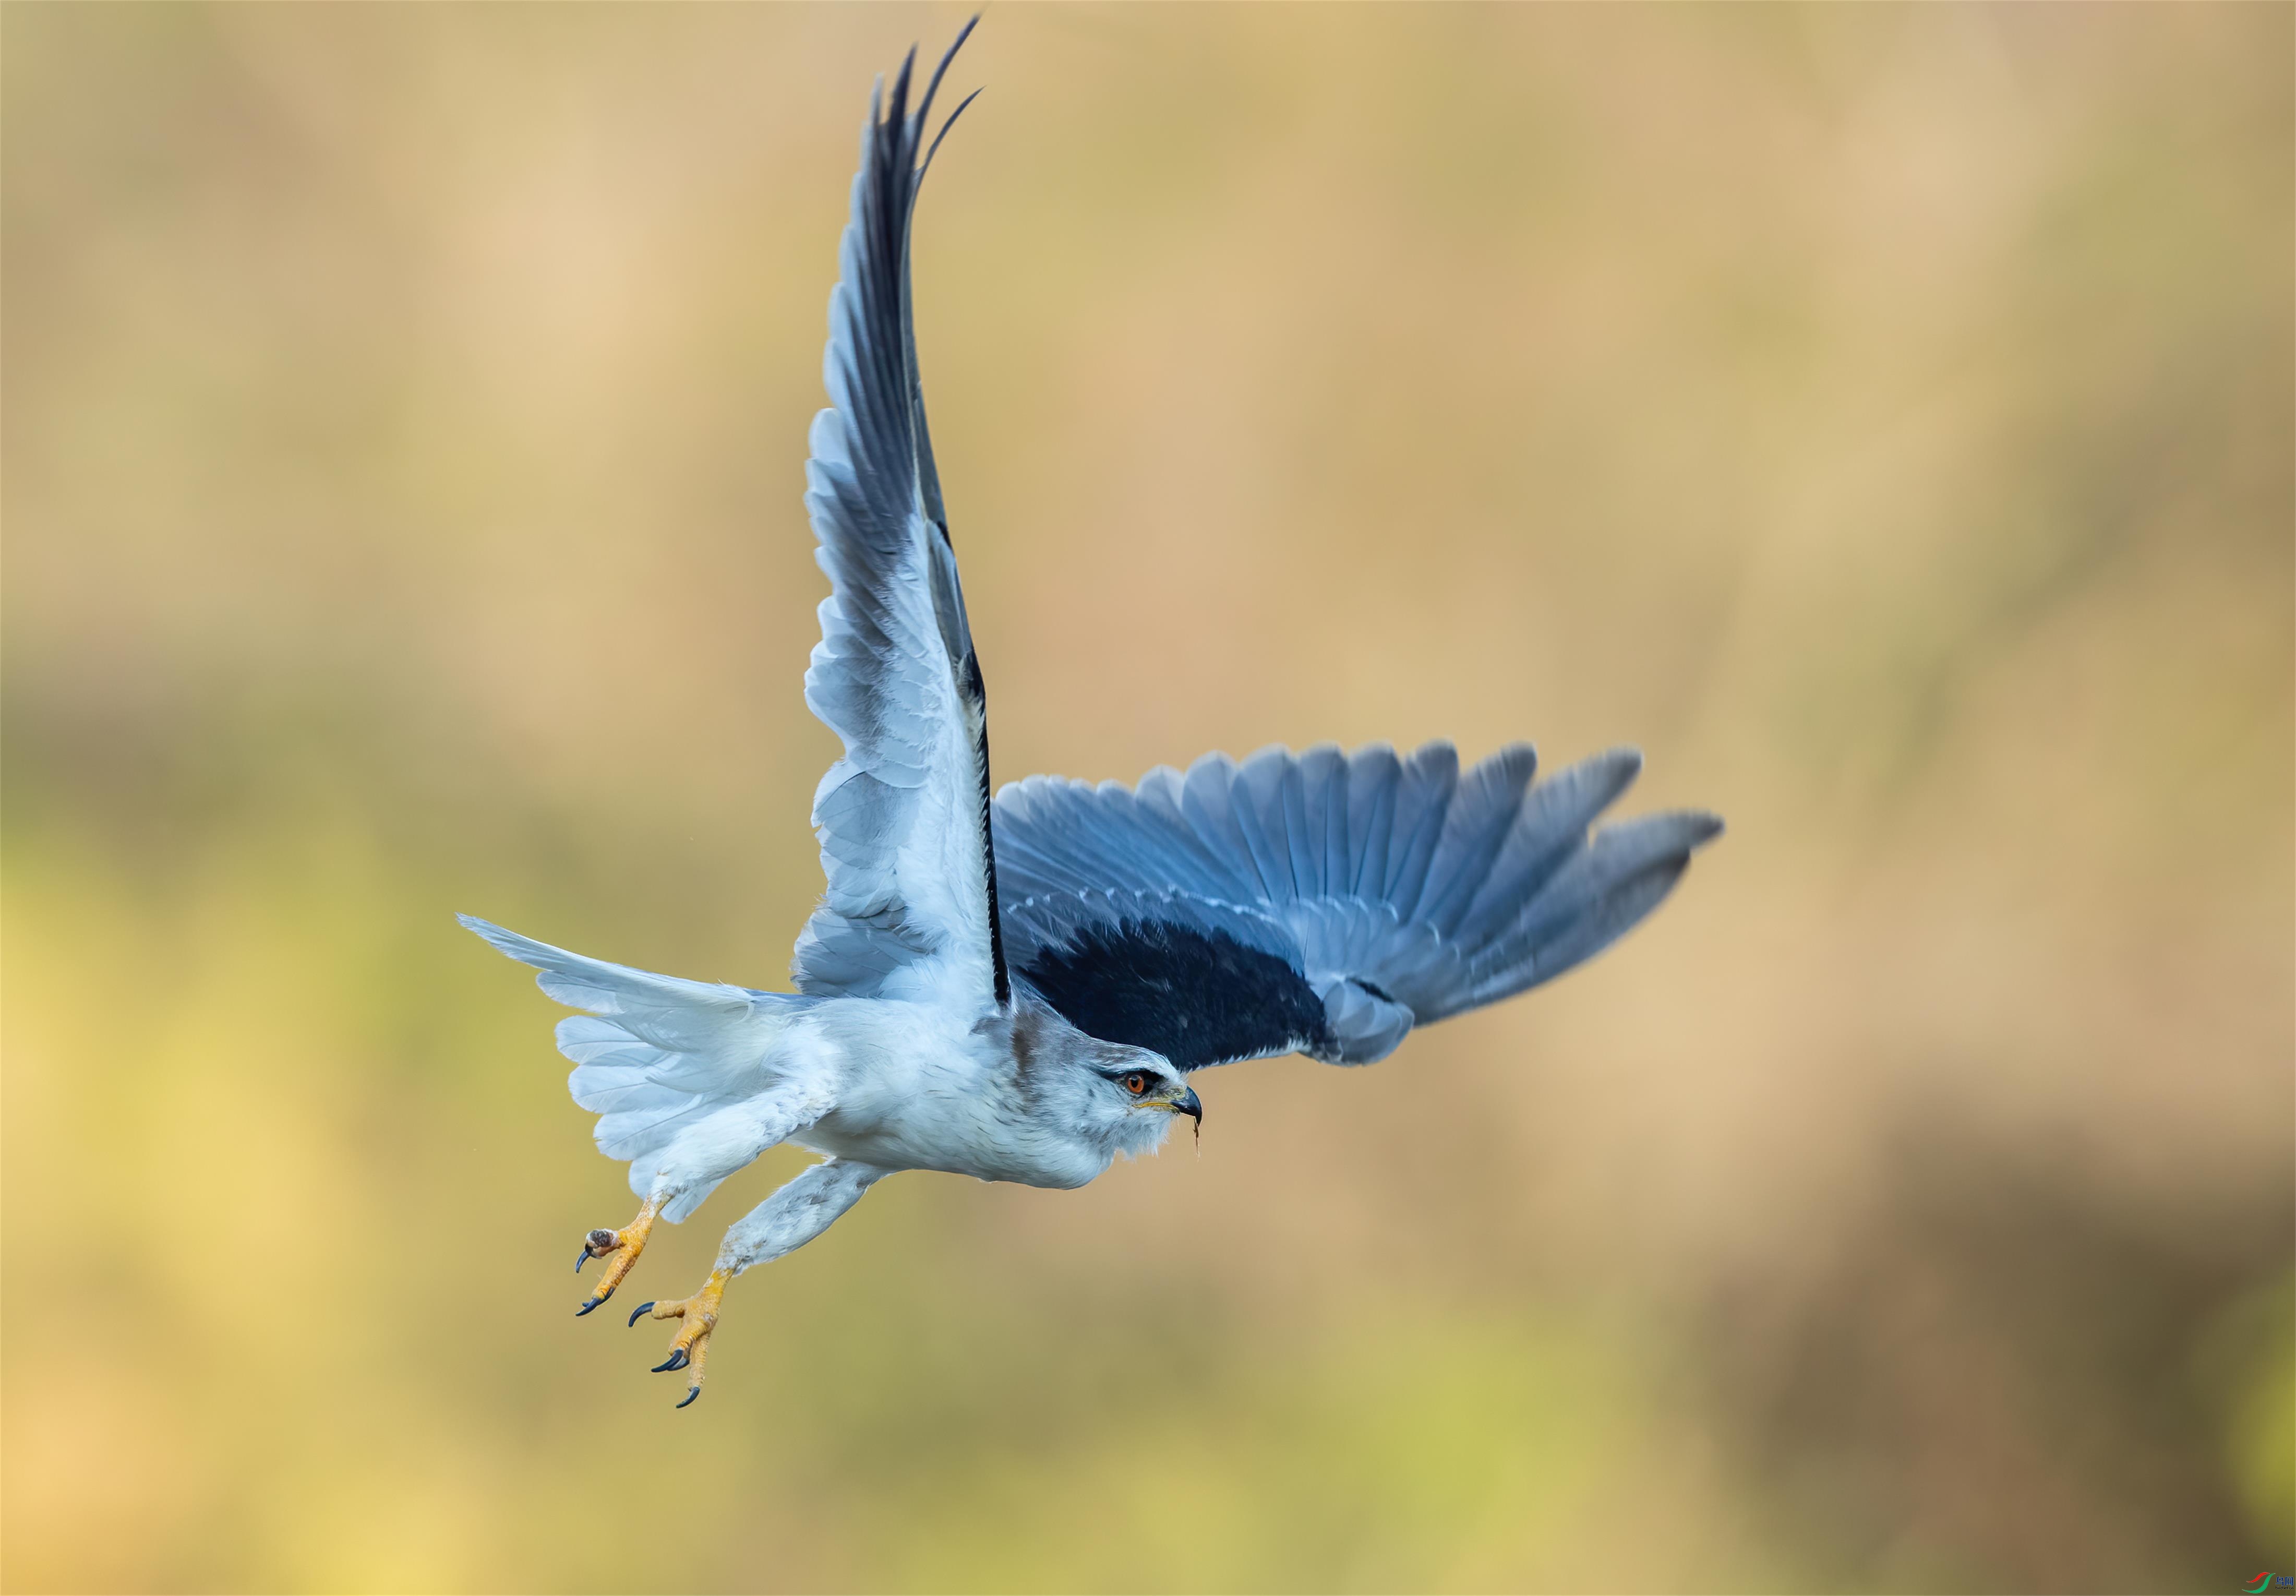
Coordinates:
[783,1224]
[704,1153]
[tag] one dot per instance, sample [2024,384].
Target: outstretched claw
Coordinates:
[691,1345]
[621,1247]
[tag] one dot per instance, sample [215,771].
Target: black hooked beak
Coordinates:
[1191,1104]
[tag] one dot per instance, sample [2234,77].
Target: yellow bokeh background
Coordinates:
[1880,416]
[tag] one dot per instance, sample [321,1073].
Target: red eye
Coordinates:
[1136,1083]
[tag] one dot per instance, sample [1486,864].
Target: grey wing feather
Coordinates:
[1324,902]
[903,819]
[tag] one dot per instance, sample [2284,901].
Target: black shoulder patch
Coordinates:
[1198,998]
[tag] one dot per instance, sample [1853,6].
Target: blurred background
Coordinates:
[1880,416]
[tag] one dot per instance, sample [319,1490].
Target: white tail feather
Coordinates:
[681,1073]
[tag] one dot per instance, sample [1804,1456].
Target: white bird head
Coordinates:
[1123,1099]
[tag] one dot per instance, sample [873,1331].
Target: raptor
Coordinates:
[1017,985]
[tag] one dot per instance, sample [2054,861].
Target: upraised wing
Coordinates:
[903,819]
[1323,903]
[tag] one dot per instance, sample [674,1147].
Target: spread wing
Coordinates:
[1323,903]
[903,819]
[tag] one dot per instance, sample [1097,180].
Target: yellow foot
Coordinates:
[622,1246]
[690,1345]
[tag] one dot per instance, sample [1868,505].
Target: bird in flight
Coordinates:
[1018,987]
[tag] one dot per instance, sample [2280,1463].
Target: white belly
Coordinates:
[917,1090]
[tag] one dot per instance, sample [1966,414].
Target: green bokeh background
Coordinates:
[1881,415]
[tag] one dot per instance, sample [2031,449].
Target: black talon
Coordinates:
[691,1395]
[641,1310]
[593,1302]
[581,1257]
[675,1360]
